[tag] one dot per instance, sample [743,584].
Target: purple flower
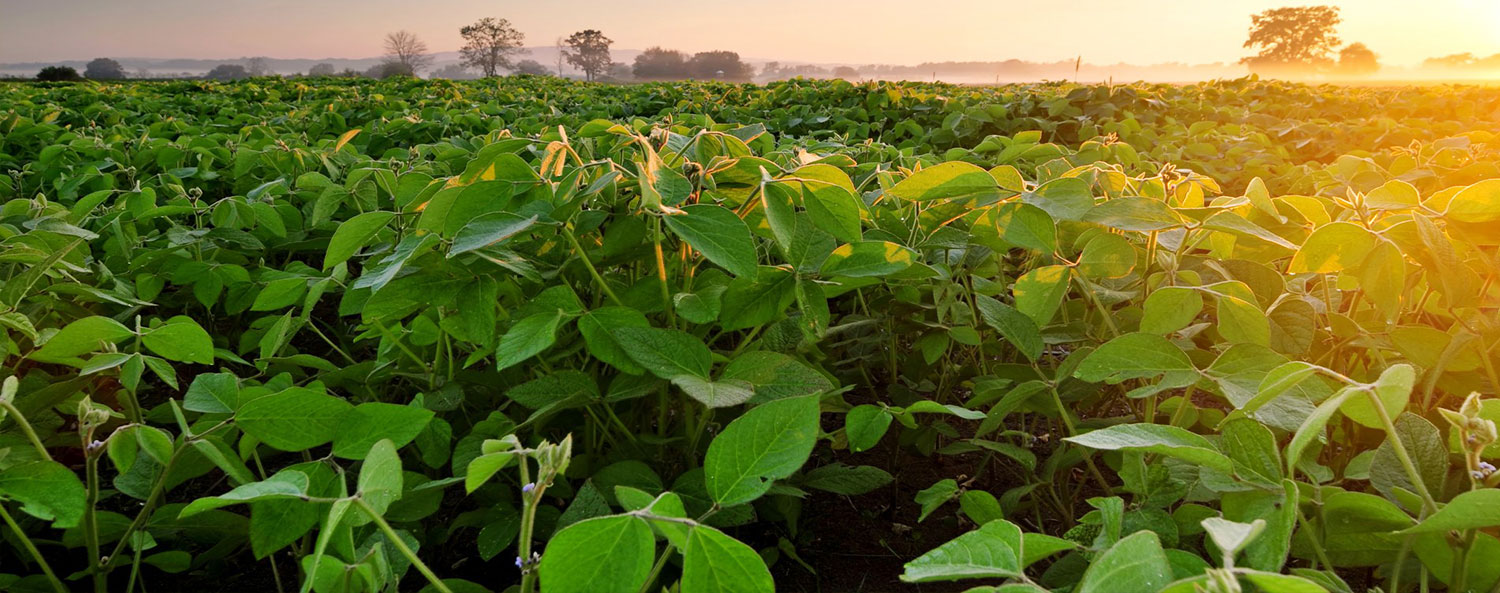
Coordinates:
[518,562]
[528,488]
[1486,467]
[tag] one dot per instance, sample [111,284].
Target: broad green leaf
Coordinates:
[1107,256]
[850,480]
[1017,328]
[489,229]
[180,339]
[352,235]
[719,234]
[992,551]
[369,422]
[598,328]
[935,496]
[1312,428]
[86,335]
[775,376]
[716,563]
[868,258]
[833,209]
[954,179]
[1133,356]
[768,442]
[285,484]
[212,393]
[715,394]
[380,482]
[1067,198]
[296,419]
[47,490]
[1170,309]
[1476,203]
[1135,564]
[527,338]
[864,425]
[1040,292]
[604,555]
[1393,389]
[1333,247]
[1475,509]
[1383,277]
[666,353]
[1159,439]
[1134,214]
[1241,322]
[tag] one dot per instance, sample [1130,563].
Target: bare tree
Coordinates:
[589,51]
[489,44]
[403,47]
[561,55]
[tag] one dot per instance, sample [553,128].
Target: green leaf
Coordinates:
[46,490]
[667,353]
[1170,309]
[604,555]
[1141,215]
[868,259]
[1312,428]
[992,551]
[1107,256]
[935,496]
[1232,536]
[180,339]
[716,563]
[212,393]
[527,338]
[1241,322]
[598,328]
[1040,292]
[285,484]
[850,480]
[715,394]
[1475,509]
[945,181]
[1159,439]
[719,234]
[1019,329]
[380,479]
[1476,203]
[1333,247]
[1393,389]
[775,376]
[352,235]
[296,419]
[1135,564]
[369,422]
[864,425]
[1133,356]
[86,335]
[769,442]
[833,209]
[1067,198]
[489,229]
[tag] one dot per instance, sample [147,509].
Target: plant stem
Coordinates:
[583,255]
[10,409]
[91,521]
[390,534]
[1428,504]
[57,585]
[661,562]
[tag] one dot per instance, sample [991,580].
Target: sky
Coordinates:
[822,31]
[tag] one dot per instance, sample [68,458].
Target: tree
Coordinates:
[532,67]
[719,65]
[489,44]
[657,63]
[1462,60]
[388,69]
[104,69]
[1293,38]
[1358,60]
[845,72]
[227,72]
[58,74]
[403,47]
[588,50]
[321,69]
[454,71]
[258,66]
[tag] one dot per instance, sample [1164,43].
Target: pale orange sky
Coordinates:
[853,31]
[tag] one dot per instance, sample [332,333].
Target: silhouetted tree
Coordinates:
[321,69]
[657,63]
[532,67]
[720,65]
[454,71]
[489,44]
[227,72]
[103,69]
[588,50]
[1293,37]
[58,74]
[403,47]
[1359,60]
[258,66]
